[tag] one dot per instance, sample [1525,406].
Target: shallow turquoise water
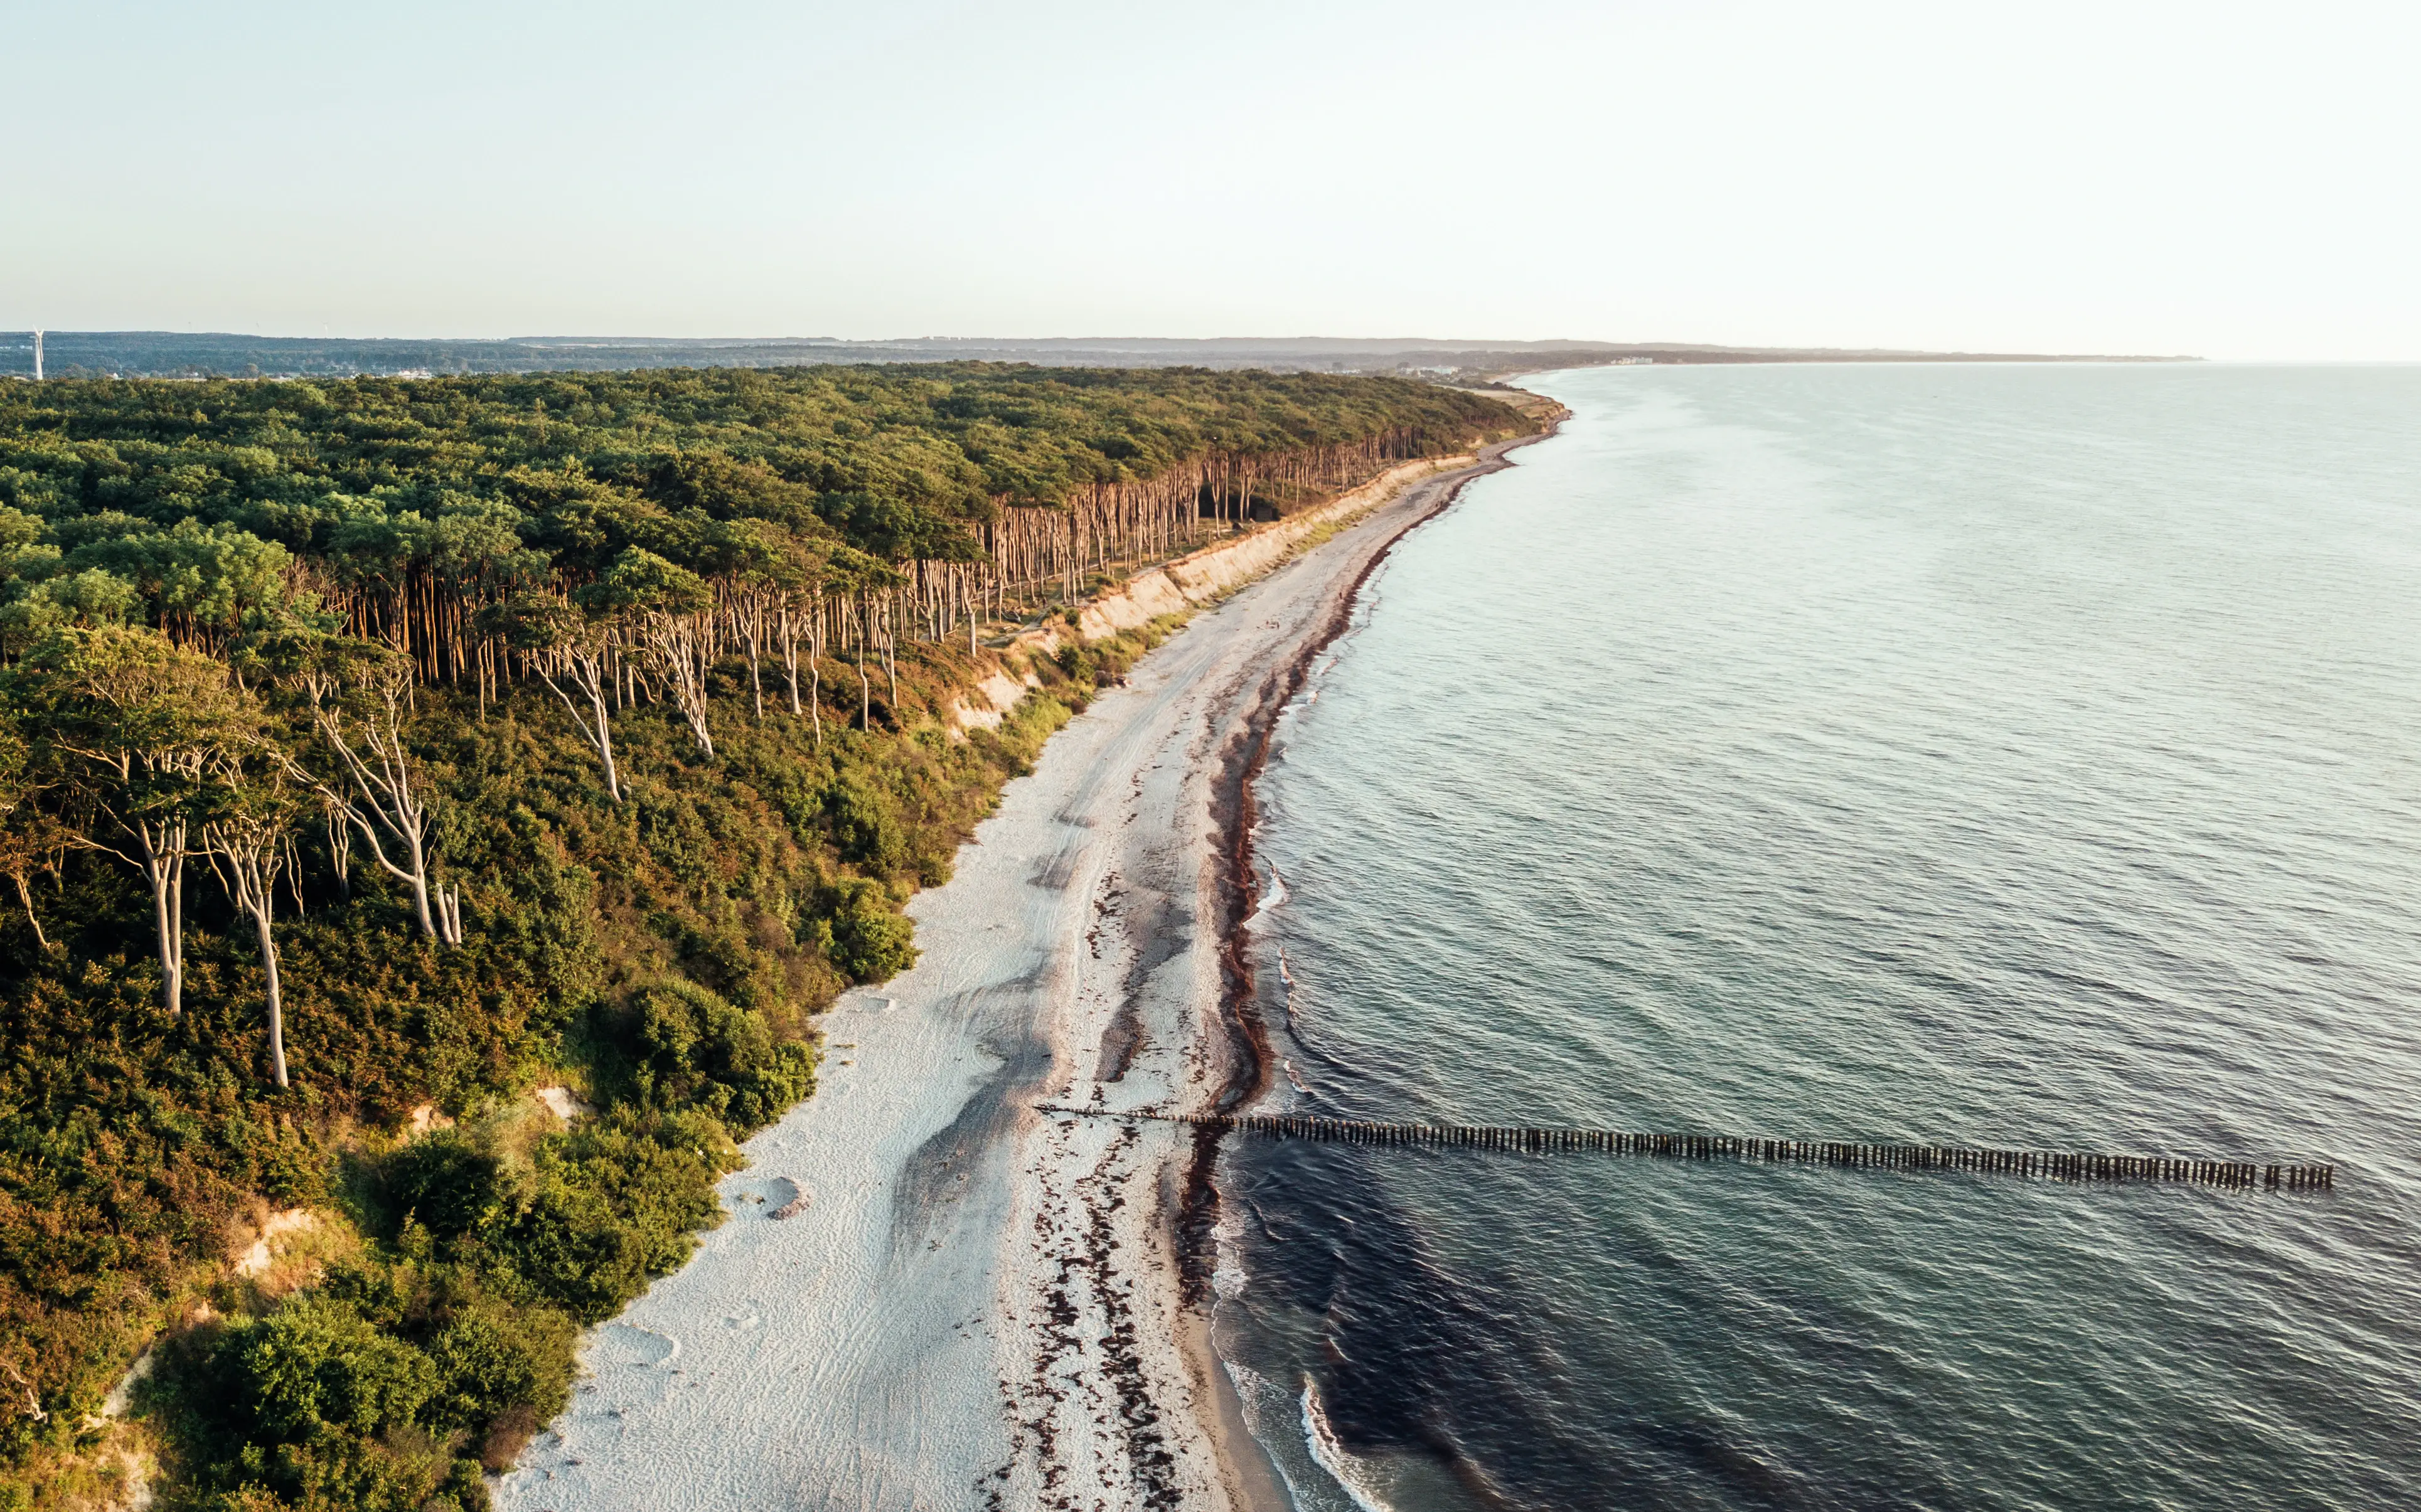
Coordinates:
[1999,756]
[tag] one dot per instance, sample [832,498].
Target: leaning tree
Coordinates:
[358,696]
[666,612]
[564,640]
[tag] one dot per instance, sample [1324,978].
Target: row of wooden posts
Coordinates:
[2060,1165]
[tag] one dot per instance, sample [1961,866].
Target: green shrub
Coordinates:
[700,1052]
[293,1170]
[315,1364]
[870,941]
[397,1472]
[612,1206]
[492,1359]
[865,825]
[446,1185]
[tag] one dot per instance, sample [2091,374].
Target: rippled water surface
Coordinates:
[1997,756]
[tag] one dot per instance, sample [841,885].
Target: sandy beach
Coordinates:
[928,1295]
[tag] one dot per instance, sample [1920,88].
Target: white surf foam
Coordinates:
[1331,1457]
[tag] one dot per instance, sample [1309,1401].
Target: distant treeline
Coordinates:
[879,503]
[374,746]
[223,354]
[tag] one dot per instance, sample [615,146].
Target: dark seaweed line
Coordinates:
[2058,1165]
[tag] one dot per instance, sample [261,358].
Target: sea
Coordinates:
[2020,755]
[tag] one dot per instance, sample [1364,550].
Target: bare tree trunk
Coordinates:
[164,867]
[788,626]
[276,998]
[676,645]
[26,895]
[253,852]
[752,630]
[587,673]
[340,851]
[381,782]
[865,692]
[890,655]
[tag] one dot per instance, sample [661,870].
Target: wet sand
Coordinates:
[972,1304]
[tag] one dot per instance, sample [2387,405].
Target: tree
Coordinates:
[31,838]
[358,694]
[855,577]
[760,568]
[563,639]
[666,610]
[256,792]
[136,722]
[34,607]
[204,582]
[790,620]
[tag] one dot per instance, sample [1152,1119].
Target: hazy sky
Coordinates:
[2232,180]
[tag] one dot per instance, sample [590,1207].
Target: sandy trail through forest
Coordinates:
[975,1305]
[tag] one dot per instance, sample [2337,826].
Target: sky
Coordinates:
[2228,180]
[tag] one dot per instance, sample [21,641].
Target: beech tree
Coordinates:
[257,793]
[358,694]
[667,611]
[31,838]
[853,578]
[563,640]
[135,721]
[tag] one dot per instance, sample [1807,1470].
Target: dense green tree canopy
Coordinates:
[193,498]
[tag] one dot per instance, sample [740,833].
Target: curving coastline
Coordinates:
[966,1305]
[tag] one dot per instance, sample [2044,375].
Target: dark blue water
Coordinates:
[2027,757]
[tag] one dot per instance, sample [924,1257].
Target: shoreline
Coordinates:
[970,1304]
[1254,1479]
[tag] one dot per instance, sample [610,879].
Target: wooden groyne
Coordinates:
[2056,1165]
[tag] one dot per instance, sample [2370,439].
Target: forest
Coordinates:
[433,813]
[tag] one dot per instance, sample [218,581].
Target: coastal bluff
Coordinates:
[1184,583]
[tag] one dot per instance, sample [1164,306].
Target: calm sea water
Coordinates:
[2000,755]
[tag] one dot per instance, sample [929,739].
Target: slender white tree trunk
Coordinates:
[384,792]
[753,629]
[276,997]
[789,633]
[865,639]
[247,855]
[588,673]
[26,895]
[164,867]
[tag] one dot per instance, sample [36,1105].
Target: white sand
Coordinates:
[975,1305]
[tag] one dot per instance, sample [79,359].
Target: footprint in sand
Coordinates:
[635,1348]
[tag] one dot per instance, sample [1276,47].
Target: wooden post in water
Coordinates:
[2058,1165]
